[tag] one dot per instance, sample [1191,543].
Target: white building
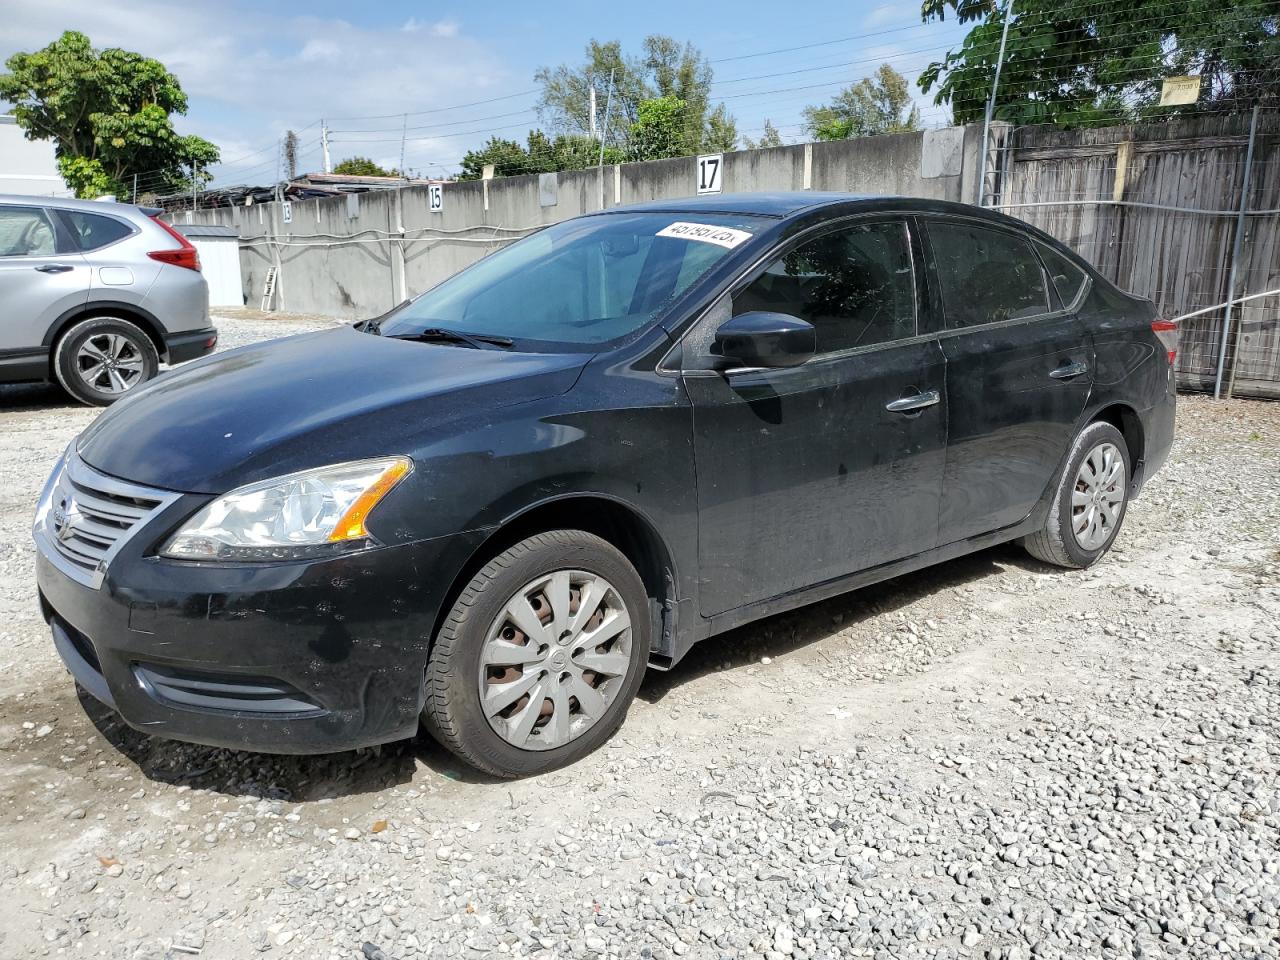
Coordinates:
[27,166]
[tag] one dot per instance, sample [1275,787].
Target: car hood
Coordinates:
[305,401]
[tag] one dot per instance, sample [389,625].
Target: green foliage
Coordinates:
[666,68]
[769,137]
[109,115]
[542,155]
[363,167]
[658,132]
[1088,62]
[877,104]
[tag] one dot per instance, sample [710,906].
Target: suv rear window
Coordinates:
[90,231]
[1066,276]
[986,275]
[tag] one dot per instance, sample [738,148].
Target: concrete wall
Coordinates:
[27,167]
[357,256]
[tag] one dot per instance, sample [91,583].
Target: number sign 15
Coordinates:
[435,198]
[709,173]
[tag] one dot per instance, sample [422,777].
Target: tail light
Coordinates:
[1166,332]
[184,256]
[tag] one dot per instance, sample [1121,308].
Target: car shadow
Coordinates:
[293,778]
[786,632]
[308,778]
[19,397]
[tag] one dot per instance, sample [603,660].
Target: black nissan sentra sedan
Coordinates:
[492,508]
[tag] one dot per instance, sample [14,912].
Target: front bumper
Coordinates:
[286,658]
[190,344]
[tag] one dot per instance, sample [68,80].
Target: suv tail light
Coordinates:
[185,256]
[1166,332]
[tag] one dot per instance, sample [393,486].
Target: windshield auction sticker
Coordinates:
[706,233]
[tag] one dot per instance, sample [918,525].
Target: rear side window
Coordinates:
[986,275]
[91,231]
[26,232]
[855,286]
[1067,278]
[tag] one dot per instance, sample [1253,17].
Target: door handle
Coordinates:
[54,268]
[914,402]
[1069,371]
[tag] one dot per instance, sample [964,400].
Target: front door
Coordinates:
[37,282]
[1019,372]
[810,473]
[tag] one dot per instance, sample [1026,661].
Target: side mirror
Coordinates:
[760,339]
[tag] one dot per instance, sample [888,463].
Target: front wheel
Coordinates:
[540,656]
[101,359]
[1090,503]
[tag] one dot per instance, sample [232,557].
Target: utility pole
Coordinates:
[593,112]
[991,104]
[324,146]
[135,188]
[404,129]
[604,132]
[195,181]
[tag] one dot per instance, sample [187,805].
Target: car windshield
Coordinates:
[577,285]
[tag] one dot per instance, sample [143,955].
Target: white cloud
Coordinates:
[441,28]
[317,49]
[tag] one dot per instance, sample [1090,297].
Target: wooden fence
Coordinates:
[1155,208]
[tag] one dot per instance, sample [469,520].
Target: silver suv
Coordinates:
[95,295]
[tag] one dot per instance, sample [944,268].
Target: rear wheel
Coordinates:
[540,656]
[101,359]
[1090,503]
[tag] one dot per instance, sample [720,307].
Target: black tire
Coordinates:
[1056,542]
[138,350]
[453,713]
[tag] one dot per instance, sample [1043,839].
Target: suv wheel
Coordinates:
[540,656]
[101,359]
[1090,504]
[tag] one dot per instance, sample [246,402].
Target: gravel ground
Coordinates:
[987,759]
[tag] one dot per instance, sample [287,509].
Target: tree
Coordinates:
[667,68]
[769,137]
[658,132]
[877,104]
[542,155]
[722,132]
[109,115]
[363,167]
[1081,62]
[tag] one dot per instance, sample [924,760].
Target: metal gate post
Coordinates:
[1235,261]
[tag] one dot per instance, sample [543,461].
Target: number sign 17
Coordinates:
[709,173]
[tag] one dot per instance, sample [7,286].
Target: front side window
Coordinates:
[580,284]
[90,231]
[855,285]
[986,275]
[26,232]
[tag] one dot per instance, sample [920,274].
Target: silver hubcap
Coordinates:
[109,362]
[554,659]
[1098,497]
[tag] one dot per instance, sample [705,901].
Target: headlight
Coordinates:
[312,513]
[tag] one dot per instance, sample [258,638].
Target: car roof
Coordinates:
[786,204]
[69,203]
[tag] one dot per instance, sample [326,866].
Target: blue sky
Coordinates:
[253,70]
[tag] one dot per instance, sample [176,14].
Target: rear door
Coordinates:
[41,275]
[1019,371]
[810,473]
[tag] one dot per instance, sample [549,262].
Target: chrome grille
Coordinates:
[87,516]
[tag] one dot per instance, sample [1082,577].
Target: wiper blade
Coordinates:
[441,335]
